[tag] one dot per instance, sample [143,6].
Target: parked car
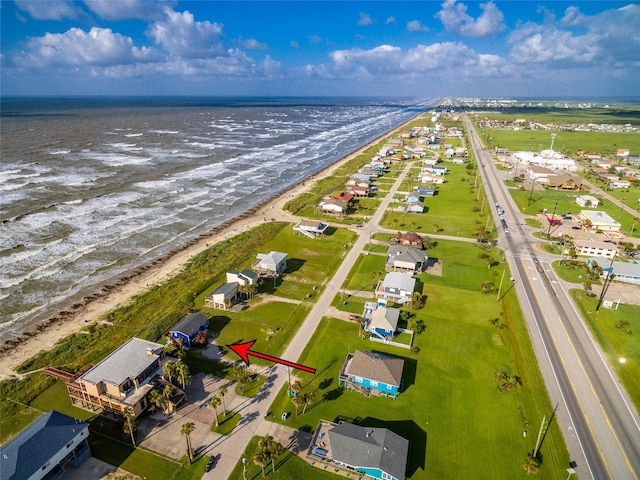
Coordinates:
[354,318]
[210,464]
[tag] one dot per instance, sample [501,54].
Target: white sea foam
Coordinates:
[133,134]
[59,152]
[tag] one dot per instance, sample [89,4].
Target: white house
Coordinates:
[396,286]
[587,201]
[539,174]
[333,206]
[310,228]
[619,183]
[590,248]
[271,263]
[624,272]
[598,220]
[427,177]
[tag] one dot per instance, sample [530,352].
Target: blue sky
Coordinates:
[297,48]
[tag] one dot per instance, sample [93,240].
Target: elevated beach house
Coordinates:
[397,287]
[375,453]
[311,228]
[381,322]
[372,374]
[270,264]
[122,379]
[223,297]
[43,450]
[401,258]
[187,328]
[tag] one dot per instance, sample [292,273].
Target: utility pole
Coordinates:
[500,287]
[542,425]
[607,282]
[530,192]
[553,216]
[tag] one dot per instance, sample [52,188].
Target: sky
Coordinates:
[421,49]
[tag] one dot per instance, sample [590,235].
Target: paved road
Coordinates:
[229,449]
[599,423]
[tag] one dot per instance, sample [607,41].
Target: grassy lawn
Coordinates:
[226,423]
[616,331]
[451,378]
[365,273]
[570,274]
[288,466]
[454,211]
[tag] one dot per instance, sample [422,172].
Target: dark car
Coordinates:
[575,228]
[210,464]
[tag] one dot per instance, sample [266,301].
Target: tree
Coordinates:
[297,402]
[271,449]
[296,387]
[307,398]
[241,374]
[531,464]
[186,430]
[487,287]
[222,392]
[417,301]
[182,370]
[157,400]
[169,370]
[215,403]
[260,458]
[130,426]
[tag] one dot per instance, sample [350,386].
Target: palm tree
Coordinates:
[186,430]
[130,425]
[297,402]
[182,370]
[167,391]
[531,464]
[222,392]
[296,387]
[271,449]
[260,458]
[169,370]
[307,398]
[242,376]
[157,399]
[215,403]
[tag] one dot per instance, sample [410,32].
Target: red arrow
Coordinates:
[243,350]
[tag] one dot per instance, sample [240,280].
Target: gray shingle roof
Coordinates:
[375,366]
[403,253]
[370,447]
[190,323]
[26,453]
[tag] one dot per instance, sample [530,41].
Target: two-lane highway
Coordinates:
[600,425]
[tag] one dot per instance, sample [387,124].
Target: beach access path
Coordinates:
[229,449]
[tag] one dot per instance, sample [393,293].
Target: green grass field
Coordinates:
[450,378]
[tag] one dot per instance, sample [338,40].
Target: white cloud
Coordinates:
[416,26]
[315,39]
[610,40]
[294,44]
[98,47]
[391,20]
[573,17]
[50,10]
[252,44]
[180,35]
[456,20]
[129,9]
[365,19]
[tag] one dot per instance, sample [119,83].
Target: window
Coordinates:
[373,383]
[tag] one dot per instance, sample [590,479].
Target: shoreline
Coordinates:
[91,303]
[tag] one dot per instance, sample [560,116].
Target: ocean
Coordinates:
[93,187]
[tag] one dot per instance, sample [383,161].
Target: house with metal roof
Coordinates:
[122,379]
[187,328]
[45,448]
[372,373]
[243,277]
[377,453]
[269,264]
[597,220]
[397,287]
[223,297]
[626,272]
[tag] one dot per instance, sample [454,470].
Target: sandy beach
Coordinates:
[91,308]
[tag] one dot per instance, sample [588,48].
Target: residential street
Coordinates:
[229,449]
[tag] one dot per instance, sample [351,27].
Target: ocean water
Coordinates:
[92,187]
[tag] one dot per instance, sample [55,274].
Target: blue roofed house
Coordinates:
[44,448]
[187,328]
[372,373]
[377,453]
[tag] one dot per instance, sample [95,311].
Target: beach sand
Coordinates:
[90,308]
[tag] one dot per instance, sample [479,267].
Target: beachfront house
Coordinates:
[372,374]
[45,448]
[223,297]
[372,453]
[188,328]
[270,264]
[401,258]
[311,228]
[397,287]
[333,205]
[243,278]
[122,379]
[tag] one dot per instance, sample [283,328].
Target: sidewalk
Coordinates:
[231,447]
